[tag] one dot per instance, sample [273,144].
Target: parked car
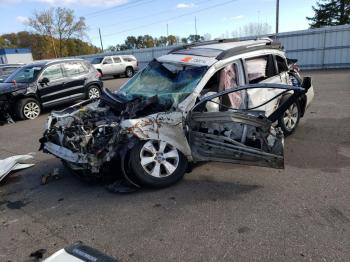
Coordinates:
[7,69]
[115,65]
[214,101]
[48,83]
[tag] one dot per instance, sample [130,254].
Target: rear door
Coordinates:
[234,135]
[53,91]
[118,65]
[77,74]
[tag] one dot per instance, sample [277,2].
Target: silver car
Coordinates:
[228,101]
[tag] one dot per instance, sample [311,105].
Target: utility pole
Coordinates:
[167,29]
[195,24]
[277,16]
[99,32]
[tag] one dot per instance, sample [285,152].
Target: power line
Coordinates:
[171,18]
[119,7]
[147,16]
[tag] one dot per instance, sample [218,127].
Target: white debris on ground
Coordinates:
[14,163]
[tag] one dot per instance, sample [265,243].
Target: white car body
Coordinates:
[115,65]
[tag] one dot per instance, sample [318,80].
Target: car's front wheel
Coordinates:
[27,108]
[290,119]
[157,164]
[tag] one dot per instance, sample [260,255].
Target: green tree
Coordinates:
[330,12]
[172,40]
[59,23]
[195,38]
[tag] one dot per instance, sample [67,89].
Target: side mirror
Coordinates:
[44,81]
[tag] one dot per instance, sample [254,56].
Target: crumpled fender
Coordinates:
[166,126]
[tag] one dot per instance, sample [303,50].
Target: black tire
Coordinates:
[143,178]
[27,108]
[93,92]
[289,121]
[129,72]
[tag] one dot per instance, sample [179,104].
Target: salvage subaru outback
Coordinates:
[224,100]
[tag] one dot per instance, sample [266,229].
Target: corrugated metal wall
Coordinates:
[314,48]
[319,48]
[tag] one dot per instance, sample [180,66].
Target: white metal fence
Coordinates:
[322,48]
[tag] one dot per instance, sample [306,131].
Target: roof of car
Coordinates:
[41,63]
[224,48]
[10,65]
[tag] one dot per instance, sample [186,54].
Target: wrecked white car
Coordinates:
[217,101]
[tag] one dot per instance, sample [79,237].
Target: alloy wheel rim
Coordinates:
[159,159]
[31,110]
[290,117]
[94,93]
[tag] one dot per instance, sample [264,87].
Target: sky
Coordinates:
[118,19]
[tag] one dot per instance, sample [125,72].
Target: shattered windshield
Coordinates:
[171,83]
[26,74]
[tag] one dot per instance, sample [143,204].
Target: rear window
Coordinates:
[129,59]
[75,68]
[260,68]
[117,60]
[281,64]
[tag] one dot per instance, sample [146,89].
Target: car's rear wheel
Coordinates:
[129,72]
[27,108]
[290,119]
[93,92]
[157,164]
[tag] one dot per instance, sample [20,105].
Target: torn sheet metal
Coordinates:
[14,163]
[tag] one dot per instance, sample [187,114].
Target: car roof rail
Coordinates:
[202,43]
[269,42]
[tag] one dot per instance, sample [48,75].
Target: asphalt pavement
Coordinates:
[219,212]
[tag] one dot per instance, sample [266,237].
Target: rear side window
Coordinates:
[108,60]
[75,68]
[260,68]
[53,72]
[117,60]
[281,64]
[129,59]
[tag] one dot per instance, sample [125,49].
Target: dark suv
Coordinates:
[48,83]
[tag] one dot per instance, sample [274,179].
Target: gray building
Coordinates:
[15,56]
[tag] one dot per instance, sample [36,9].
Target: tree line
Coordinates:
[42,46]
[147,41]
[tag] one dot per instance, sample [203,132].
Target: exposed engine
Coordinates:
[87,130]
